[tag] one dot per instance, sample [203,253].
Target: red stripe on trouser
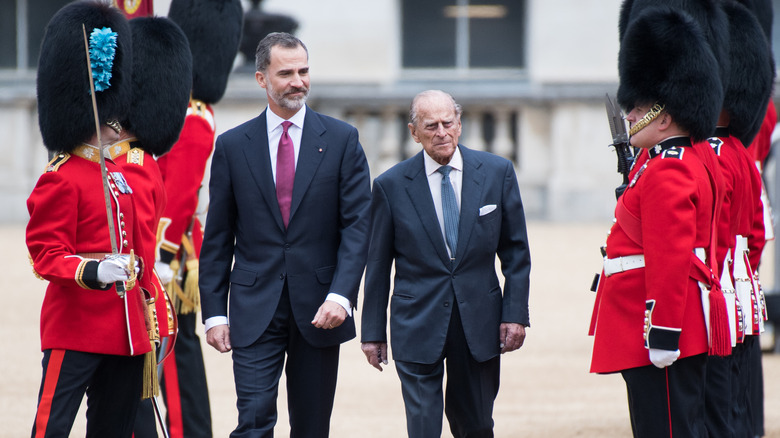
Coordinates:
[172,397]
[668,401]
[49,385]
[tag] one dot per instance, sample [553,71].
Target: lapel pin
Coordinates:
[320,149]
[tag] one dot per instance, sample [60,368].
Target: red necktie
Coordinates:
[285,173]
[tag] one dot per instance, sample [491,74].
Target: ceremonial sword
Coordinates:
[120,286]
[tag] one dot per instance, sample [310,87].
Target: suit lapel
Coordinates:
[470,196]
[310,154]
[259,159]
[420,194]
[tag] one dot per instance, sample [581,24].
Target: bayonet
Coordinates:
[625,156]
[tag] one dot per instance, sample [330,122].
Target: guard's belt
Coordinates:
[622,264]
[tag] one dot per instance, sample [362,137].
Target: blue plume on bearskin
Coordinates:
[64,103]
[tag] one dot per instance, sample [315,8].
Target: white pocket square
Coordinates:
[486,209]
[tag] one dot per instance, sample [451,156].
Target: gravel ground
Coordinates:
[546,390]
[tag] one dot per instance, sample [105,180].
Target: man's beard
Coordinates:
[291,103]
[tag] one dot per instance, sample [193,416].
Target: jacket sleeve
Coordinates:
[376,291]
[354,204]
[513,252]
[219,240]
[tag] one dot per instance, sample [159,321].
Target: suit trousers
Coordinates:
[311,379]
[668,402]
[112,384]
[472,388]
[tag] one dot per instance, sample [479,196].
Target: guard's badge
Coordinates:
[136,156]
[56,162]
[121,183]
[715,143]
[676,152]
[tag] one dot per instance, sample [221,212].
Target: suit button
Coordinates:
[446,304]
[281,276]
[286,246]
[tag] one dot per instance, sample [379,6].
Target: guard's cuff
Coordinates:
[166,256]
[214,321]
[86,276]
[662,338]
[340,300]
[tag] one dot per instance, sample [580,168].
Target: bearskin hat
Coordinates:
[64,103]
[213,28]
[707,13]
[162,74]
[752,73]
[665,58]
[763,11]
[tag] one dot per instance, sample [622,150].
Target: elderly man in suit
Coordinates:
[289,201]
[443,216]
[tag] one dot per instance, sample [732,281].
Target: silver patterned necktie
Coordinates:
[449,207]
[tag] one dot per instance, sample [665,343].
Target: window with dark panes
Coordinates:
[22,25]
[463,34]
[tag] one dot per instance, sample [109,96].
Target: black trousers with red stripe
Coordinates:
[183,384]
[668,402]
[112,384]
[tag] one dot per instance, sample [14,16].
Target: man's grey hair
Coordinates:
[431,93]
[282,39]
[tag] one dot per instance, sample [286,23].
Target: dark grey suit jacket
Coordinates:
[405,229]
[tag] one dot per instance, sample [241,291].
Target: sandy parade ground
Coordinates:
[546,390]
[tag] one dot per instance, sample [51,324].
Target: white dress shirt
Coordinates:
[434,182]
[275,130]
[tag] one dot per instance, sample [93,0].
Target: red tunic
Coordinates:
[672,199]
[67,218]
[182,170]
[761,229]
[149,197]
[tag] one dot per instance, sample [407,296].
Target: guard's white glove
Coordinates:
[663,358]
[164,272]
[114,268]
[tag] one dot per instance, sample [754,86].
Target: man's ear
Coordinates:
[260,78]
[664,121]
[413,133]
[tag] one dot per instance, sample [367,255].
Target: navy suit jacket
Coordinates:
[247,254]
[405,229]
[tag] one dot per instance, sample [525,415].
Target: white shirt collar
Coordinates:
[431,166]
[274,121]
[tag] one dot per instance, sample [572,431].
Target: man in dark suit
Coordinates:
[289,200]
[443,215]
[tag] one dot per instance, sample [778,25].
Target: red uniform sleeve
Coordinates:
[183,169]
[669,206]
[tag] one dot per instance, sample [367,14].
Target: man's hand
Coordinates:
[219,338]
[512,336]
[329,316]
[376,353]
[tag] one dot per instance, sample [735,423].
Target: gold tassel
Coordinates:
[151,386]
[191,293]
